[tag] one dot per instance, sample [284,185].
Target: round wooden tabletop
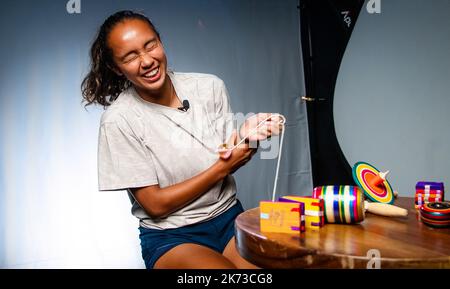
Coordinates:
[376,242]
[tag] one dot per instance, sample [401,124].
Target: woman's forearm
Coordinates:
[159,202]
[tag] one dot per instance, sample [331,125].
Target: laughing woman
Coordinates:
[158,138]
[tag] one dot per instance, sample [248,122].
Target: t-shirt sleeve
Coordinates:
[123,160]
[224,114]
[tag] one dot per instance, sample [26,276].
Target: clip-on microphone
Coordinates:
[185,106]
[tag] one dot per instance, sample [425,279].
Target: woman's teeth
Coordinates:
[152,73]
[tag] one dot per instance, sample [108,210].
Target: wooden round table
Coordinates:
[388,242]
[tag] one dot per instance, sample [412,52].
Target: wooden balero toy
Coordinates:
[346,205]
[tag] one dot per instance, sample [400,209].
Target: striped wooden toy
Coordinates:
[428,192]
[436,214]
[342,204]
[422,199]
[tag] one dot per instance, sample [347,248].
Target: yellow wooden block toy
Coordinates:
[281,217]
[314,217]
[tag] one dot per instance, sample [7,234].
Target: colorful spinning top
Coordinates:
[373,183]
[436,214]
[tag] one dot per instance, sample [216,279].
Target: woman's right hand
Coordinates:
[233,160]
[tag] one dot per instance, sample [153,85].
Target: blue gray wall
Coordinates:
[51,214]
[392,96]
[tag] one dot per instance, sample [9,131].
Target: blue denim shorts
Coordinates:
[214,234]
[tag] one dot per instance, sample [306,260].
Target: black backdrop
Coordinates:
[326,26]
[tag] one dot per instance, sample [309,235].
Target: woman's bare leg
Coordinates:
[232,254]
[193,256]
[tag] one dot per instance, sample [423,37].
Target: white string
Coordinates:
[282,122]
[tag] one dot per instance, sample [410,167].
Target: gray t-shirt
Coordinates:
[143,143]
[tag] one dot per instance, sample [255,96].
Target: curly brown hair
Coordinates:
[102,85]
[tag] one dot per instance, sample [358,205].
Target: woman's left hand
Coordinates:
[271,127]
